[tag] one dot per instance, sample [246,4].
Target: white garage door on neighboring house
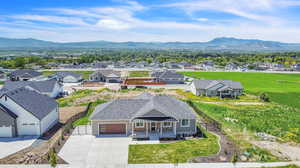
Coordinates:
[5,131]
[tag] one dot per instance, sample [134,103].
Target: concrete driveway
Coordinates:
[90,151]
[9,146]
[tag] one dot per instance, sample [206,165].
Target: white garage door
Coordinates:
[5,131]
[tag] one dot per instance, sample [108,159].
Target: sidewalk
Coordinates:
[183,165]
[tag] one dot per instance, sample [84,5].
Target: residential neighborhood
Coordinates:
[150,84]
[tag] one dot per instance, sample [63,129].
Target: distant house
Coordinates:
[297,67]
[108,76]
[68,77]
[51,88]
[144,117]
[221,88]
[168,77]
[25,112]
[2,76]
[24,75]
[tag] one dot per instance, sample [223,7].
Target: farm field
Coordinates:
[85,74]
[282,88]
[276,120]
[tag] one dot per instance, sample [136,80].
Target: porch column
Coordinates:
[146,128]
[161,128]
[132,128]
[174,127]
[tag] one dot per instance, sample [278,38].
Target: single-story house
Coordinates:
[68,77]
[168,77]
[25,75]
[108,76]
[222,88]
[144,116]
[51,88]
[25,112]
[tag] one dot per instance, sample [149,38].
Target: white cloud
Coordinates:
[51,19]
[202,19]
[121,23]
[112,24]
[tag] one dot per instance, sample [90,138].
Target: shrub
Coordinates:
[53,159]
[264,97]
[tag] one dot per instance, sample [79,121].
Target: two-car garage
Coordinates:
[112,128]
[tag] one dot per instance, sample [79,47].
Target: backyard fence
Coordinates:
[209,121]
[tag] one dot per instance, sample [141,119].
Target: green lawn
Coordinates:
[177,152]
[85,74]
[277,120]
[85,120]
[282,88]
[289,166]
[138,73]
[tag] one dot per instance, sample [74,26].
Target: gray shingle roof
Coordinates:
[65,74]
[167,74]
[26,73]
[208,84]
[41,86]
[7,111]
[108,73]
[154,106]
[37,104]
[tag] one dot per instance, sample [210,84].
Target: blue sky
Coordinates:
[150,20]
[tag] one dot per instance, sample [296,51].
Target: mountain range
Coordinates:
[217,44]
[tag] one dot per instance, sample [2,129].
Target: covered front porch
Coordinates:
[153,129]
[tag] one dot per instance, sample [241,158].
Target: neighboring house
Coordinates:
[25,112]
[25,75]
[297,67]
[68,77]
[51,88]
[2,76]
[108,76]
[145,116]
[168,77]
[222,88]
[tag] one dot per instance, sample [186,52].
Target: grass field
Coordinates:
[277,120]
[85,74]
[138,73]
[282,88]
[177,152]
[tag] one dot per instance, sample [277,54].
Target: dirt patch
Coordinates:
[284,151]
[93,84]
[65,113]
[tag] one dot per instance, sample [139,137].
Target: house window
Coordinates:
[167,124]
[139,124]
[185,123]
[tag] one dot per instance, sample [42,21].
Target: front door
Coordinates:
[153,126]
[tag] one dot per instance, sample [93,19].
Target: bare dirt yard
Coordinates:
[281,150]
[66,113]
